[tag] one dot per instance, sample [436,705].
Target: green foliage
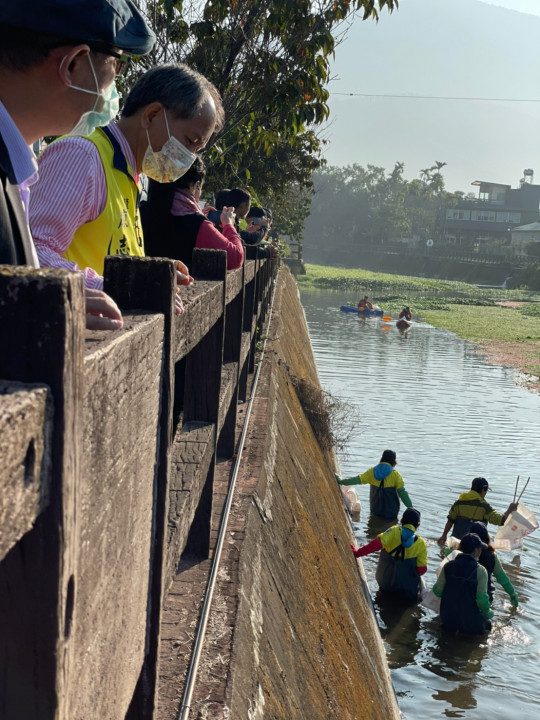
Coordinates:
[270,61]
[355,206]
[471,312]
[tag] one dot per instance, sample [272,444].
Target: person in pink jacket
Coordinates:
[174,224]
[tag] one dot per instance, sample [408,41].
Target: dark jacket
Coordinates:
[172,236]
[459,611]
[15,241]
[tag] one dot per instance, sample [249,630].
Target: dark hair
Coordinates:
[21,49]
[479,484]
[268,213]
[256,212]
[222,199]
[411,517]
[196,173]
[479,528]
[160,195]
[178,88]
[237,196]
[388,456]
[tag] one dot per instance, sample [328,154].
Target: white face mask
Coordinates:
[110,104]
[169,163]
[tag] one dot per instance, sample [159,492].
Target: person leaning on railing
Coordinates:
[85,205]
[174,225]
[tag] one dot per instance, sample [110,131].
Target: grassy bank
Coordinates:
[504,323]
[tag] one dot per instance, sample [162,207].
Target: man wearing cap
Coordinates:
[463,588]
[387,486]
[403,557]
[58,61]
[471,506]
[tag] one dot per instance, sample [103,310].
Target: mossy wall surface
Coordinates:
[306,644]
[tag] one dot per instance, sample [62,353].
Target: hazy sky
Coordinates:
[443,48]
[524,6]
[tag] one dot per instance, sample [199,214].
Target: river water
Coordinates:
[450,416]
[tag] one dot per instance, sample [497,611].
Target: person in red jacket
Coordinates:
[403,557]
[174,224]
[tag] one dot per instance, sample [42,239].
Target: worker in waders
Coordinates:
[462,587]
[387,486]
[403,557]
[471,506]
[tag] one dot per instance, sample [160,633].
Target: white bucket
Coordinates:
[518,525]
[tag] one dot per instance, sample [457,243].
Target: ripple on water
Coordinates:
[450,417]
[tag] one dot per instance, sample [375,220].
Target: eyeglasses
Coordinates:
[121,61]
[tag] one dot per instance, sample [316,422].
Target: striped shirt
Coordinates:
[70,192]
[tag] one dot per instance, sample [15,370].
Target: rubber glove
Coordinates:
[404,497]
[482,600]
[503,578]
[348,481]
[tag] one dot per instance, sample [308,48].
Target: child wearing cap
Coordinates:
[462,587]
[471,506]
[403,557]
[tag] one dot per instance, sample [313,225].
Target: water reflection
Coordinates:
[450,417]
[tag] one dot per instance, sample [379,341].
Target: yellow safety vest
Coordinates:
[117,231]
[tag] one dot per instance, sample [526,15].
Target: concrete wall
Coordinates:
[110,444]
[305,643]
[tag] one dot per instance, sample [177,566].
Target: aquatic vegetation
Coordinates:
[505,323]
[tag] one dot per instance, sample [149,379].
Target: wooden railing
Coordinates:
[108,443]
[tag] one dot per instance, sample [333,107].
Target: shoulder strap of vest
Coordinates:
[398,552]
[119,159]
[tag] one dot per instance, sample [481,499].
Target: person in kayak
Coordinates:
[387,486]
[364,304]
[471,506]
[403,557]
[405,314]
[462,587]
[490,560]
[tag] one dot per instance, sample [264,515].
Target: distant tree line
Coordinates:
[355,206]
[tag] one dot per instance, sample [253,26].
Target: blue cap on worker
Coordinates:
[110,23]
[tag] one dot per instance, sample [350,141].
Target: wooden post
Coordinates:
[41,336]
[150,284]
[247,327]
[202,389]
[234,320]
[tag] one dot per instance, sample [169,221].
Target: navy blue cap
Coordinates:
[411,517]
[480,529]
[479,484]
[113,23]
[470,542]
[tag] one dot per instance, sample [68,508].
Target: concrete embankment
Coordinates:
[304,641]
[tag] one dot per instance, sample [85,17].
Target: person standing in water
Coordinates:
[490,560]
[387,486]
[403,557]
[471,506]
[463,588]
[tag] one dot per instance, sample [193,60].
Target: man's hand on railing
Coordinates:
[102,313]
